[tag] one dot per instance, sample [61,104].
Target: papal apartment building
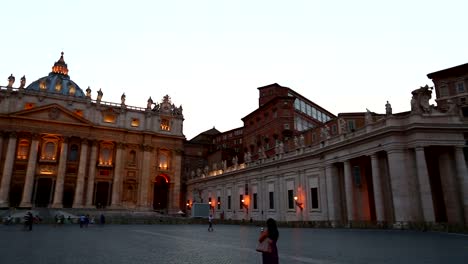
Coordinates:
[61,148]
[302,163]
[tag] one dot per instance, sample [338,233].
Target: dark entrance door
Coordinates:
[102,194]
[160,195]
[43,192]
[68,194]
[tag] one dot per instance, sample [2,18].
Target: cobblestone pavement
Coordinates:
[227,244]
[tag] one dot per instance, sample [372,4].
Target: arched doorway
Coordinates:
[161,193]
[43,192]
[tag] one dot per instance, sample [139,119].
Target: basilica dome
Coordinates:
[57,82]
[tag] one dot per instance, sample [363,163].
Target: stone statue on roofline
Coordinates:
[88,92]
[122,99]
[342,125]
[150,103]
[420,100]
[388,109]
[11,80]
[22,82]
[99,96]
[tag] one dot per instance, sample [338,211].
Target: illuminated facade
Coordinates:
[388,168]
[61,148]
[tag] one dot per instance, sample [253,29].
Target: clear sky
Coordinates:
[210,56]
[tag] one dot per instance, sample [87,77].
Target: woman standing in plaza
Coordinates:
[271,233]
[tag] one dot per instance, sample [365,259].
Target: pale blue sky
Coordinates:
[211,56]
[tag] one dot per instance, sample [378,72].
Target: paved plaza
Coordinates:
[136,244]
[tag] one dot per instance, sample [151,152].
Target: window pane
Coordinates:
[271,200]
[314,197]
[290,199]
[255,201]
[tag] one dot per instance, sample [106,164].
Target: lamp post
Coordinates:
[245,206]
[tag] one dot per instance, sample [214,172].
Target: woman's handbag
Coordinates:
[265,246]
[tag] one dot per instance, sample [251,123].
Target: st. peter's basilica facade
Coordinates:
[60,148]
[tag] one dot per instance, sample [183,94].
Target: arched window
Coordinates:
[23,148]
[73,155]
[165,125]
[163,161]
[49,148]
[105,154]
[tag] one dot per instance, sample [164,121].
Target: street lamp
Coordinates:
[298,204]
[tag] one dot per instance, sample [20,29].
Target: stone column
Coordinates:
[174,198]
[1,145]
[348,180]
[377,185]
[332,194]
[117,183]
[145,178]
[399,185]
[58,194]
[7,171]
[78,198]
[450,188]
[30,172]
[462,175]
[424,186]
[91,175]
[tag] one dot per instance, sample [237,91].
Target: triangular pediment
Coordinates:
[52,112]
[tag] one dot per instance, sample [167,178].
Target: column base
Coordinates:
[4,205]
[25,205]
[56,206]
[79,206]
[115,207]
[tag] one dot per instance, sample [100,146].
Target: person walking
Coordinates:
[210,223]
[28,221]
[271,233]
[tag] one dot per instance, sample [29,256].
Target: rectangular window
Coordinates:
[271,200]
[351,125]
[314,197]
[135,122]
[443,90]
[460,87]
[314,194]
[219,202]
[290,199]
[255,201]
[229,202]
[297,104]
[241,203]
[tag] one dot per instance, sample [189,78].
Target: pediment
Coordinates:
[53,112]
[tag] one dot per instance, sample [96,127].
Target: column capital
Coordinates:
[394,150]
[147,148]
[13,134]
[419,148]
[36,136]
[120,145]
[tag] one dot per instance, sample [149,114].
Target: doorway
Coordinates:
[160,194]
[102,194]
[43,192]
